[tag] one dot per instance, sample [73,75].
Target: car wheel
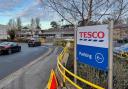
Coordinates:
[19,49]
[9,51]
[29,45]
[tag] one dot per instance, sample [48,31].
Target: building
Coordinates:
[3,32]
[27,32]
[67,33]
[120,32]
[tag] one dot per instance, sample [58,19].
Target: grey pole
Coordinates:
[110,70]
[75,50]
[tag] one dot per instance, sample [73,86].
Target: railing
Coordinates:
[63,70]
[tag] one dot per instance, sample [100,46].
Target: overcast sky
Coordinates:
[26,9]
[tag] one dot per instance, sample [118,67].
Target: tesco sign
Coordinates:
[92,34]
[92,45]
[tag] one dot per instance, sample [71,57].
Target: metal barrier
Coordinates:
[60,67]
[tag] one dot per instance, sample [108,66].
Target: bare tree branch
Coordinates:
[87,11]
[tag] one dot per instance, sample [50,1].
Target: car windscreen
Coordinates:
[7,44]
[125,49]
[31,41]
[125,46]
[4,43]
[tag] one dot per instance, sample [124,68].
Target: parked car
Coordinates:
[9,47]
[122,50]
[34,43]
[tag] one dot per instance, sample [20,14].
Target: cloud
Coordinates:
[27,9]
[8,4]
[36,9]
[40,1]
[7,7]
[31,10]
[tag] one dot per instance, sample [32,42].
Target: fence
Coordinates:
[63,72]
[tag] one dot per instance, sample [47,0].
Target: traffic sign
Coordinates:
[52,84]
[92,46]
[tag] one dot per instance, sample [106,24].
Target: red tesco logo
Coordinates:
[95,34]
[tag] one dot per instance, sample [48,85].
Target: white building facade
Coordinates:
[3,32]
[59,33]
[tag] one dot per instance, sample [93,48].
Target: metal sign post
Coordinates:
[75,50]
[110,70]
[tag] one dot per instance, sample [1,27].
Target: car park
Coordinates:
[9,47]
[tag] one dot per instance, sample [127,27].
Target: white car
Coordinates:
[117,50]
[122,50]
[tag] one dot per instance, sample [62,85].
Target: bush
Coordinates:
[12,34]
[22,40]
[60,43]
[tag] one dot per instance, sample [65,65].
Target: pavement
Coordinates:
[45,67]
[11,63]
[35,74]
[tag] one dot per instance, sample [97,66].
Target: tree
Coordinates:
[67,26]
[54,24]
[126,20]
[106,21]
[79,10]
[119,11]
[89,10]
[12,34]
[11,24]
[33,23]
[19,24]
[12,29]
[38,23]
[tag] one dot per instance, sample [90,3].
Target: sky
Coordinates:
[27,9]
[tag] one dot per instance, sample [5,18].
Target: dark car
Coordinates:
[34,43]
[9,47]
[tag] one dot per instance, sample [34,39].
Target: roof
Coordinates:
[59,30]
[118,26]
[121,26]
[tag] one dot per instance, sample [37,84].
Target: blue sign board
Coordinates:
[92,46]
